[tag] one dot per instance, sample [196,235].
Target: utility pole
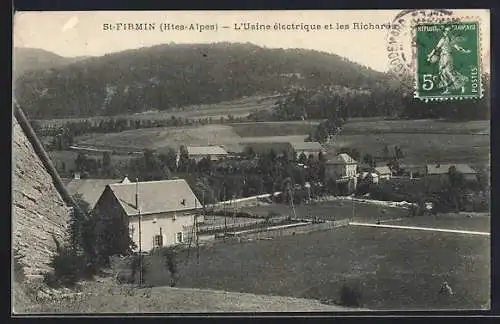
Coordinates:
[196,231]
[140,231]
[224,202]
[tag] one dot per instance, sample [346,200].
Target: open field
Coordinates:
[420,148]
[422,141]
[164,137]
[393,268]
[420,126]
[331,210]
[274,128]
[237,108]
[453,221]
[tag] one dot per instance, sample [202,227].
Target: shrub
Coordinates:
[169,255]
[135,268]
[350,296]
[68,267]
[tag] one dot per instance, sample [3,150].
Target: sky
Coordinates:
[82,33]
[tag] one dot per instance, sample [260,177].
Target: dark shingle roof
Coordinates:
[156,196]
[90,189]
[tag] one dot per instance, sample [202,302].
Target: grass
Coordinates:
[420,148]
[107,297]
[332,210]
[395,269]
[237,108]
[454,221]
[164,137]
[421,126]
[264,129]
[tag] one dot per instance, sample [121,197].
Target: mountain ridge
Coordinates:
[166,76]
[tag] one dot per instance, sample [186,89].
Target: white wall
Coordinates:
[341,170]
[150,226]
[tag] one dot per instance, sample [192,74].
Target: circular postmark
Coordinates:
[401,40]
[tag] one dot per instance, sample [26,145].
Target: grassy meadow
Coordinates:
[331,210]
[393,268]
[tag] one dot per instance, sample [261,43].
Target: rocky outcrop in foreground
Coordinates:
[38,210]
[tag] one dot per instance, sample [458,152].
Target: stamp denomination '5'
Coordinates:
[448,61]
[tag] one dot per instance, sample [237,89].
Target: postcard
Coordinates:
[251,161]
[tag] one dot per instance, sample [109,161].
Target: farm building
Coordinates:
[443,169]
[370,177]
[437,175]
[197,153]
[89,189]
[167,209]
[308,148]
[383,172]
[342,168]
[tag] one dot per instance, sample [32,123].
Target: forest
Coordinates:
[169,76]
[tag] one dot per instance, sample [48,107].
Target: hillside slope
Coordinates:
[34,59]
[167,76]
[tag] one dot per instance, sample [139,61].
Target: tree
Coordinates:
[249,152]
[169,159]
[385,152]
[106,163]
[81,162]
[368,159]
[112,236]
[302,158]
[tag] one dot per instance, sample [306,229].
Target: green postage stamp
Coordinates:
[448,61]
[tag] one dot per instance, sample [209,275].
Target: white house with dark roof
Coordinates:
[89,189]
[383,172]
[168,209]
[342,168]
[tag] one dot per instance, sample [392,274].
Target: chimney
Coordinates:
[76,175]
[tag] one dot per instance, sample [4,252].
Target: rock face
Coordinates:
[38,211]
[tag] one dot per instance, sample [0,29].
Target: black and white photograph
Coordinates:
[250,161]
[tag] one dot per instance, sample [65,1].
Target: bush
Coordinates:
[350,296]
[135,268]
[68,267]
[169,255]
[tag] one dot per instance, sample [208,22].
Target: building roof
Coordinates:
[156,196]
[306,146]
[342,158]
[443,168]
[206,150]
[383,170]
[90,189]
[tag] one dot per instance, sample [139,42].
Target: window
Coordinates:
[131,230]
[179,237]
[158,240]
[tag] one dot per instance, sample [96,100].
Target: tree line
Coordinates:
[169,76]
